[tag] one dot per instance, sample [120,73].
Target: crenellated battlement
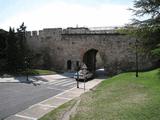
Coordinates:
[44,32]
[87,31]
[59,31]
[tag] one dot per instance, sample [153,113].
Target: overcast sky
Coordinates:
[39,14]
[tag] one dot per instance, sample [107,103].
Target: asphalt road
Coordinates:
[15,97]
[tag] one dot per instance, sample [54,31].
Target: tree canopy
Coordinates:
[147,25]
[17,50]
[148,8]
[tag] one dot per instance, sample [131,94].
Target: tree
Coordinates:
[3,48]
[148,29]
[22,48]
[11,53]
[3,40]
[145,28]
[17,51]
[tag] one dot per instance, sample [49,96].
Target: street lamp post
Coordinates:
[27,71]
[136,45]
[77,79]
[27,67]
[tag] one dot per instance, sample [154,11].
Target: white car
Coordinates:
[83,75]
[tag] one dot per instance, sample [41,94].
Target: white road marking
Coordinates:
[69,84]
[54,82]
[27,117]
[63,98]
[48,105]
[63,82]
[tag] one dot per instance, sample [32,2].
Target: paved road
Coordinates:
[15,97]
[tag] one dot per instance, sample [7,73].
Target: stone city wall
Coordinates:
[57,46]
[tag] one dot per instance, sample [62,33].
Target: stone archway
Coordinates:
[89,59]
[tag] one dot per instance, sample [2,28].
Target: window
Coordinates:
[69,65]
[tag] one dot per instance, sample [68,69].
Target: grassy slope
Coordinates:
[57,113]
[123,97]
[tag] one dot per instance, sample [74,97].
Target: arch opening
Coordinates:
[94,62]
[89,59]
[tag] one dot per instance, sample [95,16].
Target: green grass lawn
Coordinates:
[31,72]
[41,72]
[123,97]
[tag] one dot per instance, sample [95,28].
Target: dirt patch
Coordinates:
[71,112]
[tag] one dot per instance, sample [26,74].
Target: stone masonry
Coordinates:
[60,48]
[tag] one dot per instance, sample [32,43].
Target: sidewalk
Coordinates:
[38,110]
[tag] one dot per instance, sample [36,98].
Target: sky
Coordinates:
[39,14]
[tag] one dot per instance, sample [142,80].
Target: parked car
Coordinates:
[83,75]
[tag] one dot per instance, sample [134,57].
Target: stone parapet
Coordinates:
[88,31]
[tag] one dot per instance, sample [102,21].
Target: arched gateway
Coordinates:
[70,47]
[89,59]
